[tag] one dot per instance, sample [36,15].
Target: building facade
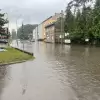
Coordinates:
[4,36]
[55,30]
[50,33]
[35,34]
[50,20]
[45,23]
[46,30]
[40,31]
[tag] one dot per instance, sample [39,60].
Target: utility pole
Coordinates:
[17,30]
[37,32]
[16,33]
[23,34]
[62,27]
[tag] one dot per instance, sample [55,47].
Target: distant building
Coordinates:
[50,33]
[55,30]
[47,30]
[40,31]
[4,36]
[49,21]
[14,34]
[35,33]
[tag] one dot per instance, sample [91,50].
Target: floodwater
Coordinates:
[58,73]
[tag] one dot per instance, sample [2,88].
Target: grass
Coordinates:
[13,55]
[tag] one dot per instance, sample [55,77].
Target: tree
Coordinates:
[69,21]
[4,32]
[97,4]
[2,23]
[25,31]
[58,24]
[78,21]
[96,22]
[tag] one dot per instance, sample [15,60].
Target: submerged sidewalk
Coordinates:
[23,46]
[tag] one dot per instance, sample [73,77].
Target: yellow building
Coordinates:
[49,21]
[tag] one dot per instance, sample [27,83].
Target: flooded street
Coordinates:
[57,73]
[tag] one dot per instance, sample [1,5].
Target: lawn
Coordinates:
[13,55]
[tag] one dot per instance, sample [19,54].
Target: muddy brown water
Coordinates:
[58,73]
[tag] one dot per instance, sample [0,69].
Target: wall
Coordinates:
[50,34]
[35,33]
[50,20]
[40,31]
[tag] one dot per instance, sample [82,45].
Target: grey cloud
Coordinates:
[32,11]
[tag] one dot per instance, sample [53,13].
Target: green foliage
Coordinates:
[58,24]
[69,21]
[25,31]
[13,55]
[2,23]
[84,22]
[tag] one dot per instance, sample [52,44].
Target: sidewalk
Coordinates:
[26,46]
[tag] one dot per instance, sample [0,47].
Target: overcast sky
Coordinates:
[31,11]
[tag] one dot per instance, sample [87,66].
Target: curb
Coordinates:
[16,62]
[32,54]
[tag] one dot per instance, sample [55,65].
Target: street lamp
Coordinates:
[62,23]
[17,29]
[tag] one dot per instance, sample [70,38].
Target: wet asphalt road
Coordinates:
[58,73]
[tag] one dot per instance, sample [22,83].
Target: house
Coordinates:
[48,21]
[40,37]
[35,33]
[4,36]
[47,30]
[55,31]
[50,33]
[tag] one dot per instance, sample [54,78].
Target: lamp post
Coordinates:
[17,30]
[16,33]
[62,23]
[23,34]
[62,26]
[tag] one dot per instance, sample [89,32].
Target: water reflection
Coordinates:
[24,79]
[59,72]
[4,77]
[80,67]
[77,66]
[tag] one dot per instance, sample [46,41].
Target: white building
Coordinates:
[40,31]
[37,32]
